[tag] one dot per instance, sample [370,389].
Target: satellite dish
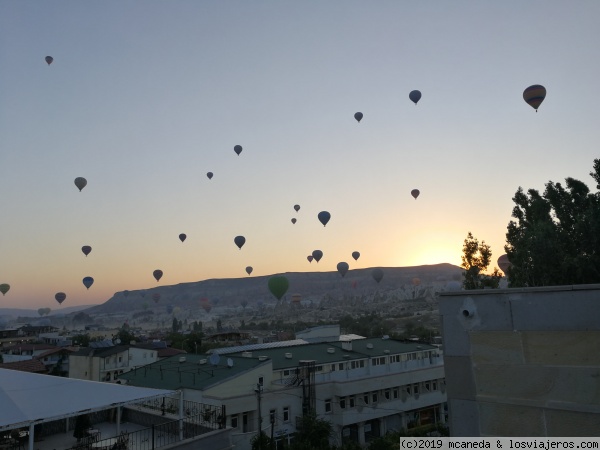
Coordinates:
[214,359]
[229,363]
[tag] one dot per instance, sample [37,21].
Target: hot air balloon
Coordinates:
[244,303]
[534,95]
[310,258]
[209,175]
[355,255]
[239,241]
[80,182]
[182,237]
[342,268]
[249,270]
[504,264]
[415,193]
[358,116]
[60,297]
[49,59]
[157,274]
[278,285]
[317,255]
[207,308]
[156,297]
[237,149]
[296,208]
[294,220]
[88,281]
[4,288]
[415,96]
[324,217]
[86,249]
[377,274]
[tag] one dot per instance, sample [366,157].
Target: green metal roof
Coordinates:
[319,351]
[193,372]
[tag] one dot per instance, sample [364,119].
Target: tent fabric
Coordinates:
[27,398]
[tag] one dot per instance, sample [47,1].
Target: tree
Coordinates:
[475,260]
[555,239]
[261,442]
[313,434]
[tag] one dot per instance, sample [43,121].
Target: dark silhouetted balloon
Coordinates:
[237,149]
[182,237]
[249,270]
[86,249]
[296,208]
[244,303]
[239,241]
[534,95]
[156,297]
[415,193]
[310,258]
[415,96]
[342,268]
[317,255]
[4,288]
[504,264]
[358,116]
[209,175]
[278,285]
[80,182]
[49,59]
[324,217]
[355,255]
[88,281]
[377,274]
[157,274]
[60,297]
[294,220]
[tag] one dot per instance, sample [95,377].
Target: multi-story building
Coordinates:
[363,387]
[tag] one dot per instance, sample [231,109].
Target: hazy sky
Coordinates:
[145,97]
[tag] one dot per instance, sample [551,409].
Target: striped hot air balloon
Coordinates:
[534,95]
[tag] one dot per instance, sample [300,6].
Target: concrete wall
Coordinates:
[523,362]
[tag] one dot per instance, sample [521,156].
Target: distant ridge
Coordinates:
[254,289]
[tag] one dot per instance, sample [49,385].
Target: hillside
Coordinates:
[311,286]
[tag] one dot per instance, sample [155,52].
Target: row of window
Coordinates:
[376,361]
[388,394]
[235,423]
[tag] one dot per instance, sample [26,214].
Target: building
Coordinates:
[364,387]
[523,362]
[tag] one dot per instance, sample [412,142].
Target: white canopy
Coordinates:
[27,398]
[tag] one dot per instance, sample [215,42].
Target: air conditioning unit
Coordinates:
[202,361]
[288,356]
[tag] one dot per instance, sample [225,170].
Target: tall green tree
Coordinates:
[555,239]
[476,259]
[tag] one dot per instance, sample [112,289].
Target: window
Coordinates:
[234,421]
[245,428]
[333,367]
[416,389]
[352,401]
[380,361]
[327,405]
[343,402]
[319,369]
[434,385]
[272,416]
[375,397]
[286,373]
[120,359]
[261,380]
[427,386]
[145,355]
[340,366]
[286,414]
[366,399]
[395,393]
[387,394]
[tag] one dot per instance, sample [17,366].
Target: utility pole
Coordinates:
[258,391]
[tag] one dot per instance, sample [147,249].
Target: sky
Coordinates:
[143,98]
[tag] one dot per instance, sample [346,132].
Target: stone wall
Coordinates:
[523,362]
